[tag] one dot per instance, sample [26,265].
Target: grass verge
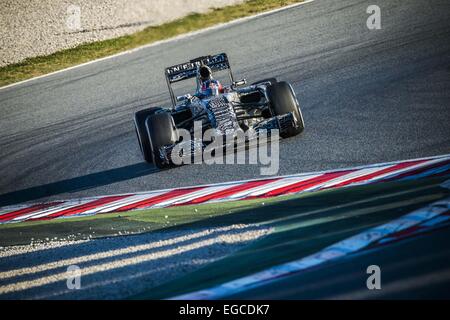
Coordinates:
[33,67]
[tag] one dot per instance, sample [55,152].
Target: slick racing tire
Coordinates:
[161,131]
[283,100]
[141,132]
[270,80]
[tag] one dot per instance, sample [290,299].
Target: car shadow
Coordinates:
[85,182]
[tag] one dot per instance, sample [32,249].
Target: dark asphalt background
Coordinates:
[367,96]
[417,268]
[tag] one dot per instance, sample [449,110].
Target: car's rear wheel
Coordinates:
[283,101]
[141,132]
[161,131]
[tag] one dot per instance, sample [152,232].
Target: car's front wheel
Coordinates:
[161,132]
[283,101]
[141,132]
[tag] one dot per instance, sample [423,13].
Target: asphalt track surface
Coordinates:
[367,96]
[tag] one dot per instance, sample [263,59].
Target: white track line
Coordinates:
[259,190]
[48,211]
[190,196]
[347,177]
[157,43]
[407,169]
[121,203]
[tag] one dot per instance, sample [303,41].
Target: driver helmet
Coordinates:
[205,73]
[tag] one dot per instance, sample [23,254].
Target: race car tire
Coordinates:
[270,80]
[141,132]
[283,100]
[161,131]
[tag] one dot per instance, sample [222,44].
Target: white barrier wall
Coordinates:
[31,28]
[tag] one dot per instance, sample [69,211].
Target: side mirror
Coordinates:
[183,97]
[240,83]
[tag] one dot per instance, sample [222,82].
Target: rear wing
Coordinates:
[188,70]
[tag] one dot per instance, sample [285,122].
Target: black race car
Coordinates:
[264,105]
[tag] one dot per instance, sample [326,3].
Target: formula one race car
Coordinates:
[264,105]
